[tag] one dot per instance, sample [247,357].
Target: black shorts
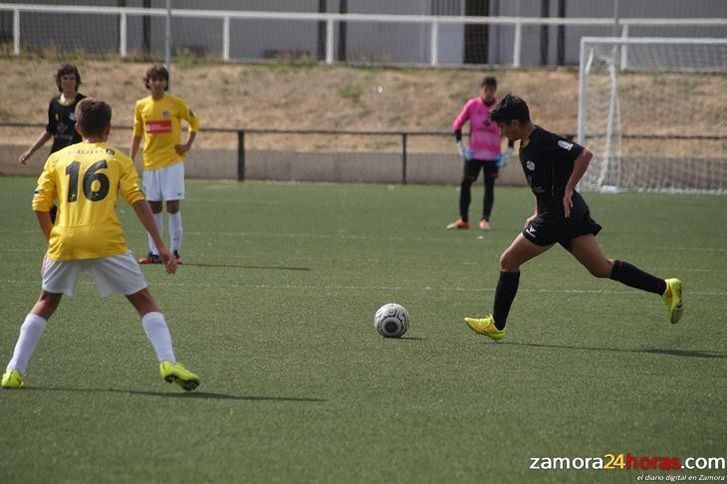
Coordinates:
[548,229]
[472,168]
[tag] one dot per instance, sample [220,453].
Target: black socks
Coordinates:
[632,276]
[504,295]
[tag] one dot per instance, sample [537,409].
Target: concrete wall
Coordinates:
[427,169]
[300,166]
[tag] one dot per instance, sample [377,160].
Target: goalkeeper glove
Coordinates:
[504,157]
[464,153]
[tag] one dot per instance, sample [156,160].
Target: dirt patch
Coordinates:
[296,97]
[257,96]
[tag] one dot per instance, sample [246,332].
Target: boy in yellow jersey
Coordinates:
[86,179]
[158,118]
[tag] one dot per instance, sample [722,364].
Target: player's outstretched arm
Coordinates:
[143,211]
[45,136]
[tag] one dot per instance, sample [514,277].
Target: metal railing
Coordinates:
[330,19]
[405,137]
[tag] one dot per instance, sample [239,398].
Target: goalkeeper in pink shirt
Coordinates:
[484,153]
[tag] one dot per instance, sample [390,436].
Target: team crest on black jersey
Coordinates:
[565,145]
[530,165]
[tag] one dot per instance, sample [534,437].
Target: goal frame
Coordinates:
[623,44]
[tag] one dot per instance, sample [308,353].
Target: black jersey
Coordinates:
[547,162]
[62,123]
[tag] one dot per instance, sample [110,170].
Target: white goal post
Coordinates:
[654,113]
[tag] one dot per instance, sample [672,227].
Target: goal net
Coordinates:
[654,113]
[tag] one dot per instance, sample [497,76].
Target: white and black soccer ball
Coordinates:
[391,320]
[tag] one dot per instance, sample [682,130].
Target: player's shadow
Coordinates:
[658,351]
[240,266]
[192,395]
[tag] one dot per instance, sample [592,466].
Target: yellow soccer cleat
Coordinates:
[486,326]
[672,298]
[12,379]
[177,373]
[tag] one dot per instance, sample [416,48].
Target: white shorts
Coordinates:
[119,274]
[164,183]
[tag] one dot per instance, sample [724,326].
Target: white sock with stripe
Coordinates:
[159,220]
[175,230]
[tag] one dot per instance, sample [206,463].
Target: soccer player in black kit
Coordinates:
[553,166]
[61,117]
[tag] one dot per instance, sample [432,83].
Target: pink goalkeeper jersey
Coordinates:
[484,134]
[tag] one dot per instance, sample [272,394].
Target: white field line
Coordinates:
[306,287]
[489,265]
[386,238]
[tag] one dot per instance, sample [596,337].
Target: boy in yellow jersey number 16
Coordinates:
[86,180]
[158,118]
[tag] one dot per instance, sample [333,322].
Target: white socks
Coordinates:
[33,327]
[159,219]
[156,330]
[175,230]
[30,332]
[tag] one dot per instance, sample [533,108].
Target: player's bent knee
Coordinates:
[156,207]
[143,302]
[173,207]
[508,263]
[47,304]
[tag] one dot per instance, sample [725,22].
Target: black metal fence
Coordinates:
[401,156]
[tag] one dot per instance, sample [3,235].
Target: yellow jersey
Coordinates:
[159,122]
[86,179]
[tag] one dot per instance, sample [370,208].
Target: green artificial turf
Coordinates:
[273,309]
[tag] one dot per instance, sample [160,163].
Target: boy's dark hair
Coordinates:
[65,70]
[93,116]
[489,81]
[510,108]
[157,71]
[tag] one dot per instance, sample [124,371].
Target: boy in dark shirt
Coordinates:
[553,166]
[61,124]
[61,113]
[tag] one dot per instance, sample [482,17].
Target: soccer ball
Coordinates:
[391,320]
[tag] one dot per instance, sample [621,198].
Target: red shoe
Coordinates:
[485,225]
[150,259]
[458,224]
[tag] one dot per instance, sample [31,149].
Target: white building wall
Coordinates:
[365,41]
